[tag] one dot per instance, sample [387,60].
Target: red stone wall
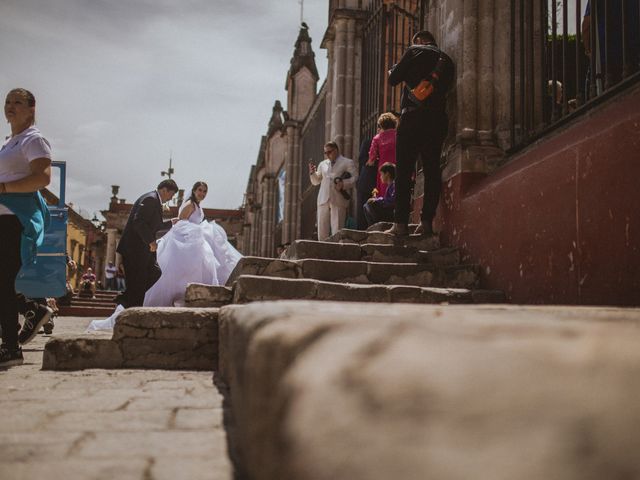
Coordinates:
[560,222]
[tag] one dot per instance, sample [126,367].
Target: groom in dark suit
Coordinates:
[138,243]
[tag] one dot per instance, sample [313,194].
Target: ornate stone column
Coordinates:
[328,44]
[474,150]
[292,183]
[111,245]
[343,43]
[268,215]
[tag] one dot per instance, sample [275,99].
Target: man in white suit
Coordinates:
[336,176]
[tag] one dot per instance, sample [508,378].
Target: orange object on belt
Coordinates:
[424,88]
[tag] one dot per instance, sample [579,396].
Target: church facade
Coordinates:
[539,166]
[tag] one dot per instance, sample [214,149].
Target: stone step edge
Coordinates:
[297,267]
[357,236]
[246,288]
[356,252]
[287,367]
[145,339]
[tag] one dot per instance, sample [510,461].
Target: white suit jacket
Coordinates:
[324,176]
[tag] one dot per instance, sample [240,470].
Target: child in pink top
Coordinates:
[383,147]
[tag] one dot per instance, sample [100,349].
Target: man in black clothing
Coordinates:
[138,243]
[422,128]
[366,182]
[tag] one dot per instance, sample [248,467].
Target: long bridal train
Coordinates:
[193,251]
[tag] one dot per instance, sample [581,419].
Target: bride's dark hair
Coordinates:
[193,191]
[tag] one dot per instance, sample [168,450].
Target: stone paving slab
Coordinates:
[201,295]
[355,391]
[109,424]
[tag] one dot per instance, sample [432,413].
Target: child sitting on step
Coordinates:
[380,209]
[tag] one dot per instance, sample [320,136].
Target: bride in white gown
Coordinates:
[193,251]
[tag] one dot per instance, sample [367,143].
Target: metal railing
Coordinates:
[387,33]
[565,56]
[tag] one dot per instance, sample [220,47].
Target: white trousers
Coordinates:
[331,218]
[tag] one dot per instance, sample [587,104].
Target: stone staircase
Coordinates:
[352,266]
[101,306]
[382,358]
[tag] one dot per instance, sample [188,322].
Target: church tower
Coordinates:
[302,78]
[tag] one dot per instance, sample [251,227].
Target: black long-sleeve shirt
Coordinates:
[416,64]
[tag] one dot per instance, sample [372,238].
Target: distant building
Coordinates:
[85,241]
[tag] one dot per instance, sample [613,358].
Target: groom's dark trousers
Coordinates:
[141,268]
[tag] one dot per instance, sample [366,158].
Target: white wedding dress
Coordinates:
[193,251]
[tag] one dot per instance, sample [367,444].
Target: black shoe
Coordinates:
[48,327]
[33,320]
[424,229]
[399,230]
[10,356]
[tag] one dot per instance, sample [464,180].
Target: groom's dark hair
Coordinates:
[170,185]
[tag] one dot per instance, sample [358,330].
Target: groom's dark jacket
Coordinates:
[145,220]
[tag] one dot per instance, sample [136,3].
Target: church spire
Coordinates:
[303,55]
[276,122]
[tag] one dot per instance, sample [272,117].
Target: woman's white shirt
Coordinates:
[16,154]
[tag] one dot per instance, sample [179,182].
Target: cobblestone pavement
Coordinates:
[108,424]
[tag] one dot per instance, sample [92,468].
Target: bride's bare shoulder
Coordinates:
[186,210]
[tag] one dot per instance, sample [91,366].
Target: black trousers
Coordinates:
[366,183]
[420,134]
[10,263]
[376,212]
[141,271]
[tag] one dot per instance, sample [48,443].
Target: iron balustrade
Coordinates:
[562,66]
[386,35]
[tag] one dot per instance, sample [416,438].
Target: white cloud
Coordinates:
[120,85]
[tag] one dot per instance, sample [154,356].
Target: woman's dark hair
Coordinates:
[193,191]
[31,100]
[28,96]
[424,35]
[390,169]
[170,185]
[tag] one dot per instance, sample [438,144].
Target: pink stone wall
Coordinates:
[560,222]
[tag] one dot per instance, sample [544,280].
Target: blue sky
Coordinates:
[120,85]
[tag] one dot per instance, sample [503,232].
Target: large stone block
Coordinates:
[460,276]
[353,391]
[67,352]
[166,322]
[255,289]
[167,338]
[324,250]
[401,273]
[169,354]
[264,266]
[348,236]
[341,292]
[250,288]
[440,257]
[199,295]
[389,253]
[334,271]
